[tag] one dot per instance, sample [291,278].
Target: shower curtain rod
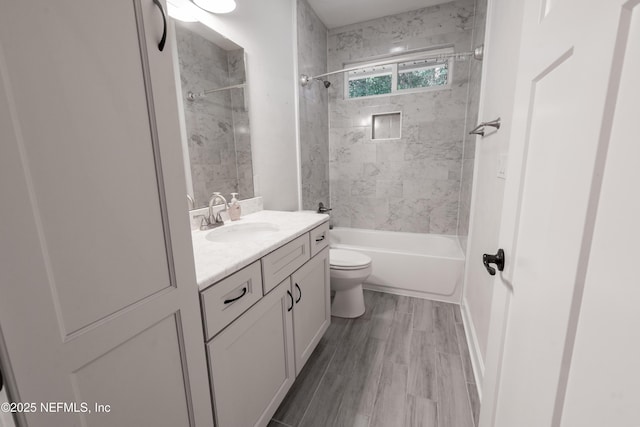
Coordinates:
[477,53]
[191,96]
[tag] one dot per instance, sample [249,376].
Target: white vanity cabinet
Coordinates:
[283,261]
[229,298]
[252,362]
[256,356]
[312,310]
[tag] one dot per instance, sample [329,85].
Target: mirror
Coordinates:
[215,135]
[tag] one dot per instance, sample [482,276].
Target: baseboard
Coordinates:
[474,348]
[408,293]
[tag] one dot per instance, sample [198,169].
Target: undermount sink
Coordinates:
[246,232]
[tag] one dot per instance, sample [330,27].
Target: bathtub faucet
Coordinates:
[322,209]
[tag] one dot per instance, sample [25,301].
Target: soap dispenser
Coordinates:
[234,208]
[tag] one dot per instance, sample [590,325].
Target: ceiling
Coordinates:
[337,13]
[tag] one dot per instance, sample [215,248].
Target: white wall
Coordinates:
[498,88]
[266,30]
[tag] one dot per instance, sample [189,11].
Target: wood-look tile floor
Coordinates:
[405,362]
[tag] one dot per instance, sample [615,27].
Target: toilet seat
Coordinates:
[340,259]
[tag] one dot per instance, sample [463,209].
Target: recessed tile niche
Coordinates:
[386,126]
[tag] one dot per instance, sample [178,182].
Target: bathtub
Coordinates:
[420,265]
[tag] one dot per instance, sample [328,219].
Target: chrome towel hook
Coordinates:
[479,130]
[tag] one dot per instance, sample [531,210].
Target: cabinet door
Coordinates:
[252,362]
[98,297]
[312,311]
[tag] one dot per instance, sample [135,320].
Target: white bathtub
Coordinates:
[421,265]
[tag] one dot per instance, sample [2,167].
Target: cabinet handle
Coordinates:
[320,239]
[299,293]
[244,292]
[1,380]
[290,296]
[164,25]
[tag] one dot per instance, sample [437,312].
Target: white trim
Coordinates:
[181,117]
[296,109]
[474,348]
[407,293]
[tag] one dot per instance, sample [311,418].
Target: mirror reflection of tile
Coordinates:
[217,124]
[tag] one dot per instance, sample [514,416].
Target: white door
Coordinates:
[571,55]
[502,44]
[98,299]
[6,418]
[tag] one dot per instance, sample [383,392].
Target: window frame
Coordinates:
[414,55]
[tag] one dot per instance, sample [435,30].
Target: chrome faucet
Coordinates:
[211,220]
[214,198]
[216,221]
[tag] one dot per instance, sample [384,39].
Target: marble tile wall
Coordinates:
[313,104]
[214,123]
[469,148]
[411,184]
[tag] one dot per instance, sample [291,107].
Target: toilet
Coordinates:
[348,269]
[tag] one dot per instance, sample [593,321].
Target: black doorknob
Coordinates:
[497,259]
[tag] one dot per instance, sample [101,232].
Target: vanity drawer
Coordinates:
[283,261]
[319,238]
[223,302]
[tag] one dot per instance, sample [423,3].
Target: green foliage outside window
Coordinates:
[436,76]
[378,85]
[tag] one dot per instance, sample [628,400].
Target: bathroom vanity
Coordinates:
[264,295]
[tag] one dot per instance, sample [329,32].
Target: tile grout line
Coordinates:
[406,386]
[377,388]
[436,370]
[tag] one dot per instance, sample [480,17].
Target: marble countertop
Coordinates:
[217,260]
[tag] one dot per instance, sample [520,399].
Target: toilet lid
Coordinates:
[341,258]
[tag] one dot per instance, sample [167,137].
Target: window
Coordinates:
[405,76]
[370,81]
[420,74]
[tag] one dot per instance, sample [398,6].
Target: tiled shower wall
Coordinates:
[312,99]
[214,123]
[411,184]
[468,152]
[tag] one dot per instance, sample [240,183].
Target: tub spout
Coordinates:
[322,208]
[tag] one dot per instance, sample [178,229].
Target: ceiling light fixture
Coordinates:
[180,13]
[216,6]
